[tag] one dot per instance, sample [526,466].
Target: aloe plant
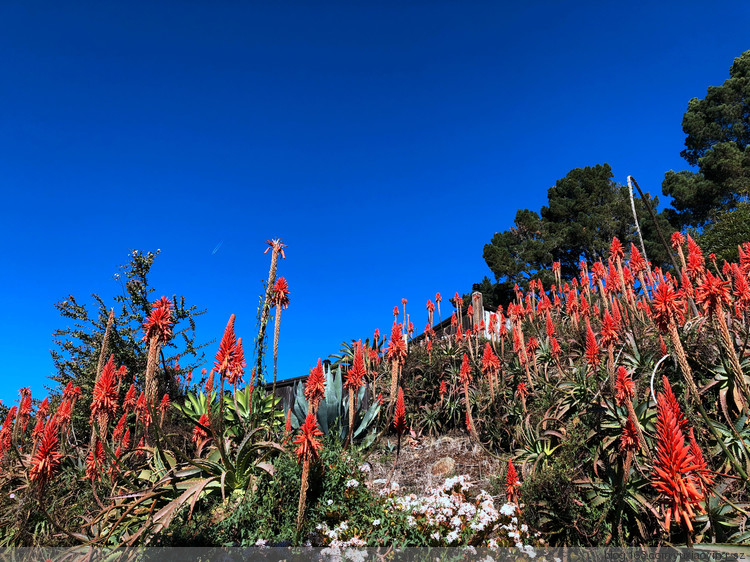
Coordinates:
[333,411]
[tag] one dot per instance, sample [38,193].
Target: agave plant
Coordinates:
[333,412]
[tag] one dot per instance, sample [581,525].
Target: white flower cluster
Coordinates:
[352,483]
[448,518]
[336,536]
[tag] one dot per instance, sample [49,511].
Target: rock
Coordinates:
[443,467]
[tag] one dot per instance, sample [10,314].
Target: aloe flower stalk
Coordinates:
[678,241]
[674,470]
[315,388]
[105,345]
[713,294]
[397,355]
[47,459]
[399,419]
[104,404]
[158,331]
[490,367]
[465,377]
[277,248]
[280,300]
[511,483]
[355,378]
[307,452]
[624,394]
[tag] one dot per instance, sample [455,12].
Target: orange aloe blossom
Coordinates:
[355,378]
[157,332]
[308,450]
[397,356]
[315,388]
[674,470]
[280,300]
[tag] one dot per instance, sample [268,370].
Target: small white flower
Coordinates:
[12,496]
[261,542]
[364,468]
[329,502]
[376,522]
[352,483]
[436,535]
[508,509]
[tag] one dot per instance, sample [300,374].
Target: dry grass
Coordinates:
[414,472]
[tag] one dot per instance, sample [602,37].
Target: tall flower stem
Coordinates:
[726,340]
[276,248]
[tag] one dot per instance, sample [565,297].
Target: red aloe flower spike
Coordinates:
[673,403]
[315,388]
[696,265]
[159,323]
[309,445]
[712,293]
[608,334]
[130,399]
[465,372]
[511,483]
[95,462]
[707,478]
[355,378]
[668,307]
[629,437]
[104,404]
[396,354]
[443,388]
[521,391]
[674,469]
[64,414]
[47,458]
[624,386]
[741,289]
[164,406]
[200,434]
[236,368]
[616,249]
[24,414]
[120,428]
[306,452]
[637,263]
[678,240]
[592,349]
[281,293]
[556,350]
[288,424]
[7,430]
[227,348]
[399,417]
[126,440]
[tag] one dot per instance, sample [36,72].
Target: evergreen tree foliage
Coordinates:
[77,346]
[585,210]
[718,144]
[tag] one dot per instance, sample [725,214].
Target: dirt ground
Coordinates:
[418,468]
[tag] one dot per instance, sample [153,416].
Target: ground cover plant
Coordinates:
[615,405]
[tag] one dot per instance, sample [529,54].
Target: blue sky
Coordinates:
[384,143]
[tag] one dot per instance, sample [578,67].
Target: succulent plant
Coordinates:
[333,412]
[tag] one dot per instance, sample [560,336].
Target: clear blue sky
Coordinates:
[384,142]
